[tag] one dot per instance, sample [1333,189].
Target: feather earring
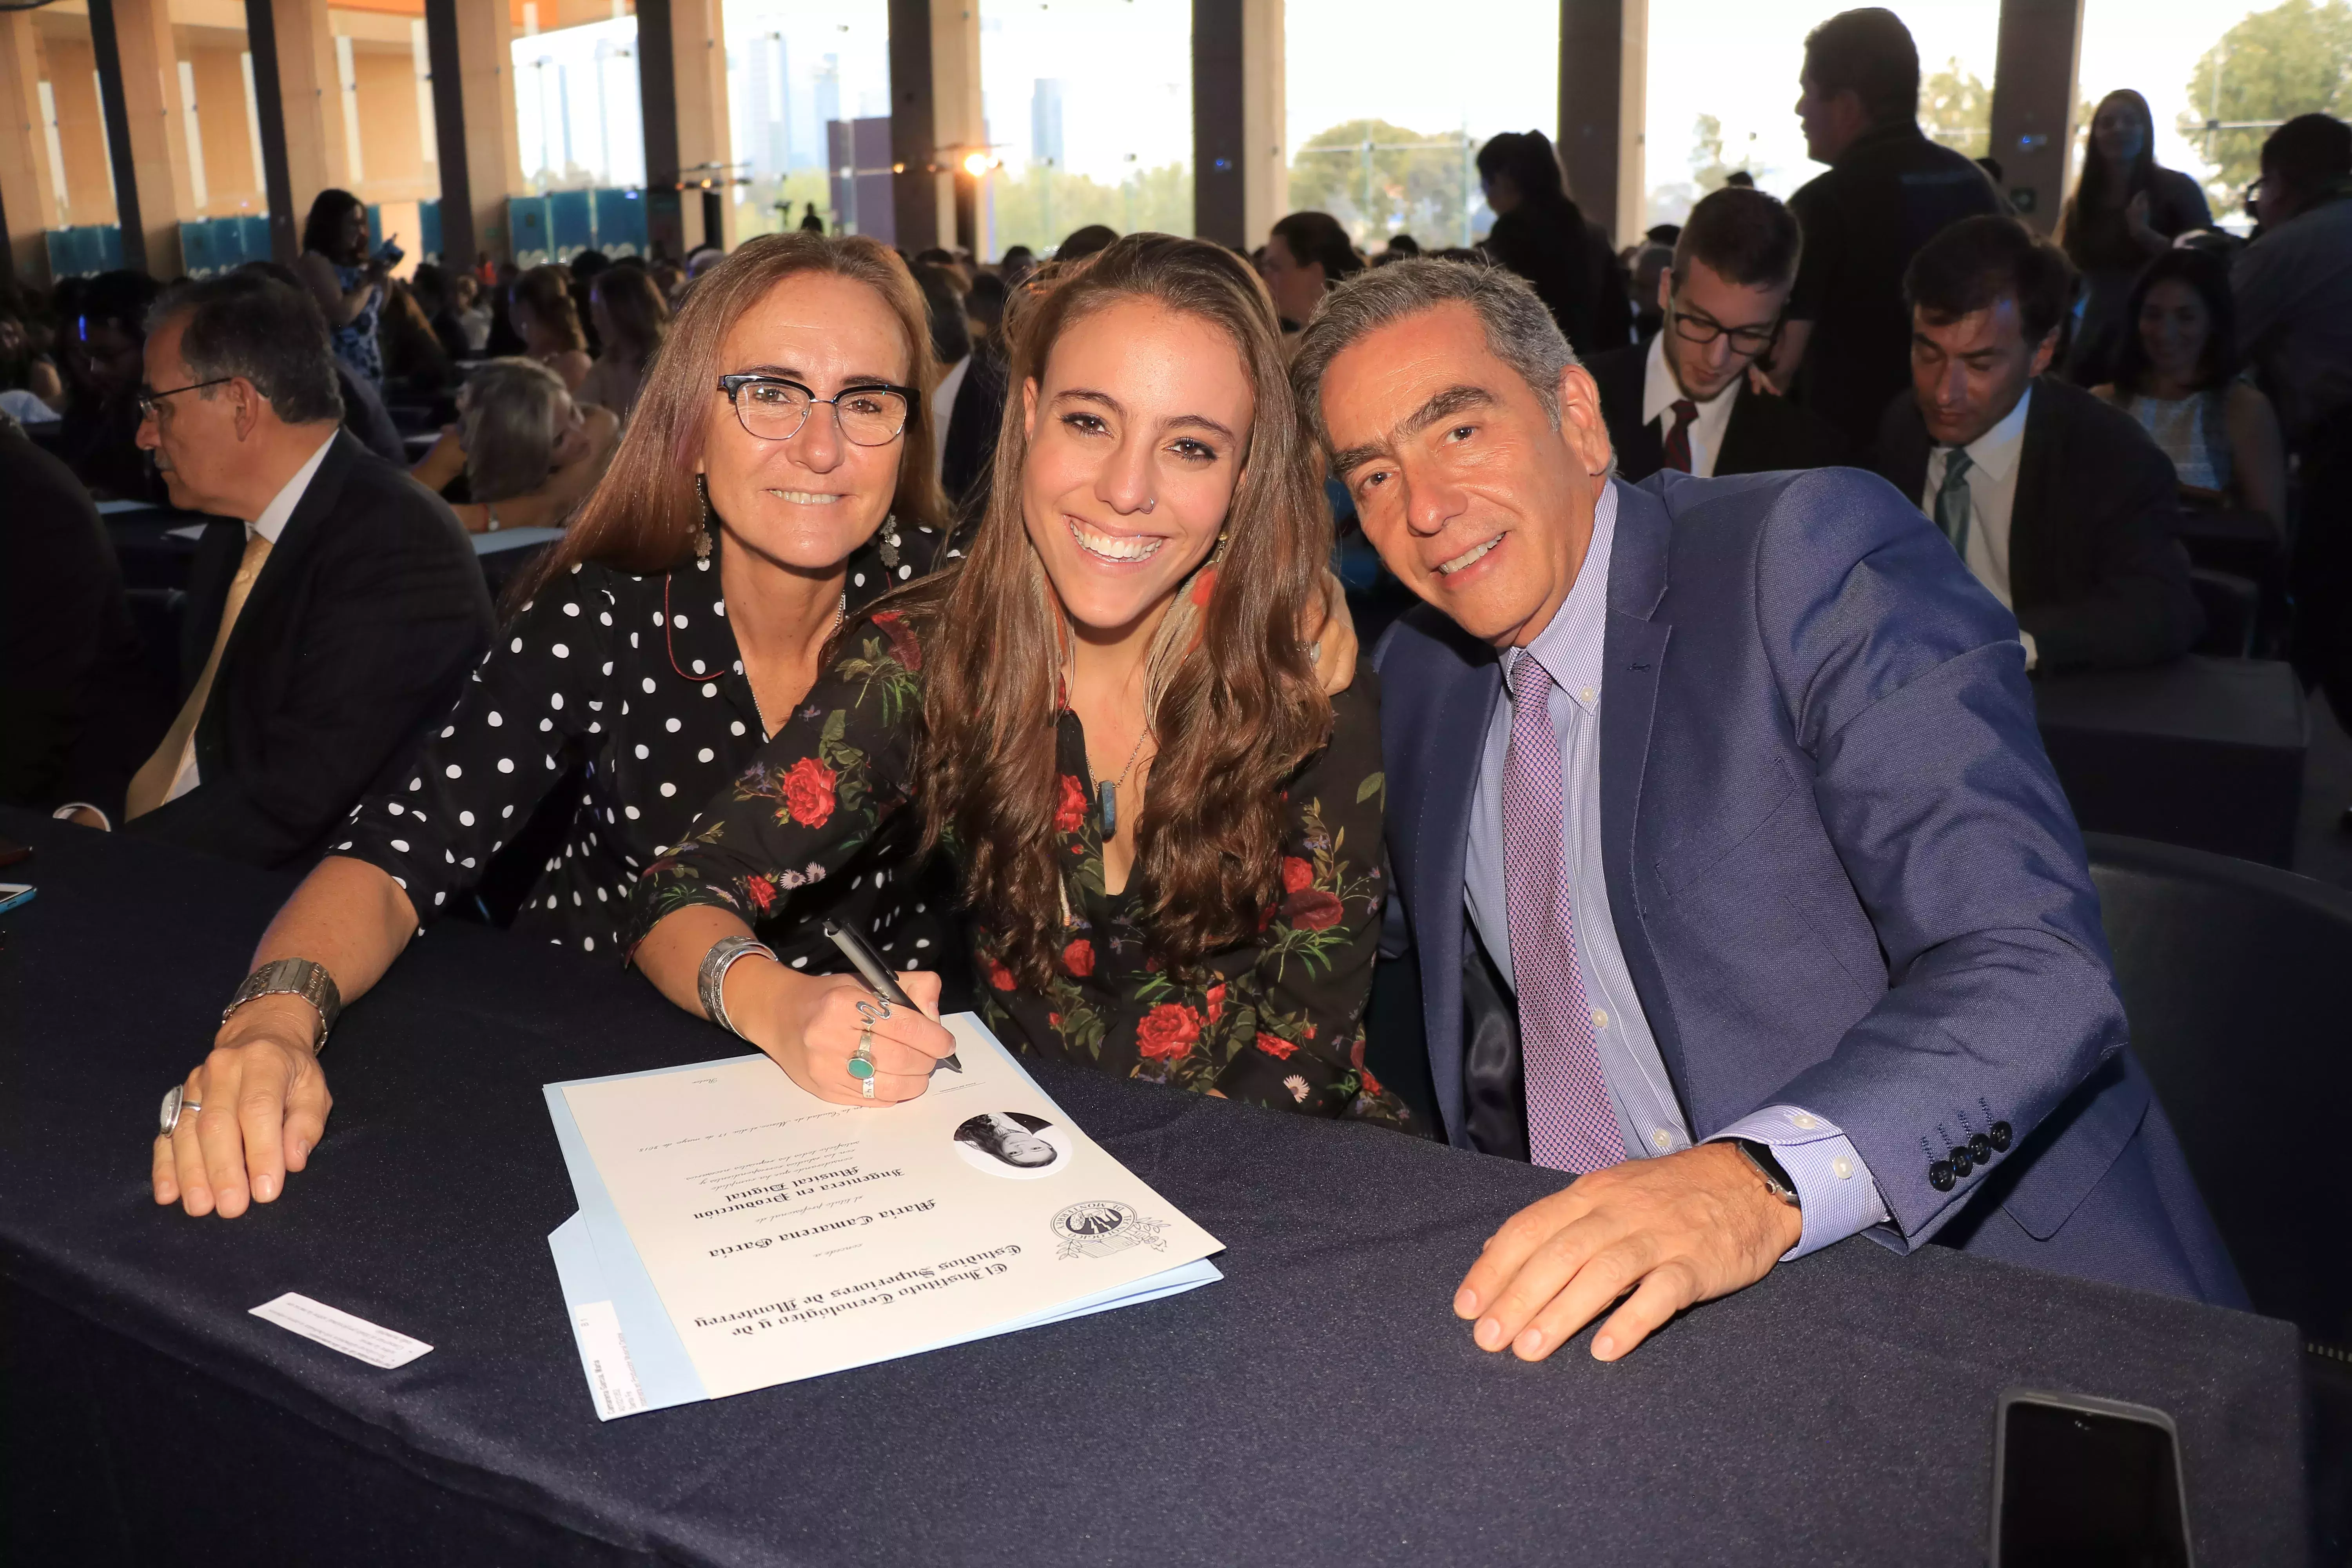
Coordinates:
[702,524]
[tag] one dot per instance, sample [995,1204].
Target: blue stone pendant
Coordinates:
[1110,795]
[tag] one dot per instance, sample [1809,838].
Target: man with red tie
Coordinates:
[1737,882]
[1685,400]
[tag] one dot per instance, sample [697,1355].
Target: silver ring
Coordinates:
[865,1088]
[176,1105]
[868,1011]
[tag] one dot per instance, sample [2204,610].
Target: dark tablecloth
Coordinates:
[1319,1406]
[2207,753]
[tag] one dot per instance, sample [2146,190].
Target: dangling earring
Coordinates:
[888,544]
[702,523]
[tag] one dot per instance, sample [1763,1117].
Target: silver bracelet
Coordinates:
[710,984]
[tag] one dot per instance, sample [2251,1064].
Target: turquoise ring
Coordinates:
[861,1061]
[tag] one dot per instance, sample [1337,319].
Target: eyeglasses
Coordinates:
[1746,341]
[774,409]
[147,400]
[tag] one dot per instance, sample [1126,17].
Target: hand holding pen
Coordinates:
[868,964]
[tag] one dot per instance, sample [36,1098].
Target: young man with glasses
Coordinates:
[1685,400]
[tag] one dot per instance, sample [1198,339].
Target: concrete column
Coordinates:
[481,157]
[28,196]
[1241,170]
[2034,102]
[682,90]
[1603,88]
[310,103]
[153,129]
[922,194]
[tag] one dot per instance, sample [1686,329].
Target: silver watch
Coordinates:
[293,977]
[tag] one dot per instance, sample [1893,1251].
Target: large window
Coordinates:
[392,155]
[1089,113]
[83,237]
[578,121]
[1722,90]
[1387,101]
[2217,64]
[808,91]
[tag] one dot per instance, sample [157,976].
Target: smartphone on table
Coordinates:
[2082,1481]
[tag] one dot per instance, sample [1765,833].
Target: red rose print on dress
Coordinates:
[1312,909]
[1168,1031]
[903,645]
[1216,1001]
[763,893]
[1072,811]
[1079,958]
[998,975]
[807,788]
[1297,874]
[1275,1046]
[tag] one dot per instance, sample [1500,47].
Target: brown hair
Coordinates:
[639,314]
[1232,694]
[546,293]
[643,515]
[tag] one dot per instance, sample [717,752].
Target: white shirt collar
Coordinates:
[1995,452]
[280,509]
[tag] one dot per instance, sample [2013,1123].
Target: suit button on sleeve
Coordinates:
[1980,1149]
[2001,1136]
[1961,1163]
[1939,1176]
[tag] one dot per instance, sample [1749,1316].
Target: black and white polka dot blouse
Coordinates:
[639,678]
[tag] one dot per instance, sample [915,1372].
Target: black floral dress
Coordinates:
[1276,1022]
[635,685]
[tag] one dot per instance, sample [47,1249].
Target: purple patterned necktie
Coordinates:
[1572,1125]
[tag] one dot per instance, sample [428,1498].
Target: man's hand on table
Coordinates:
[1674,1231]
[265,1103]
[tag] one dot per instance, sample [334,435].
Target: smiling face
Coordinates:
[1465,484]
[2173,326]
[809,500]
[1135,440]
[1968,373]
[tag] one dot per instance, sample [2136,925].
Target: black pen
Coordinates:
[877,974]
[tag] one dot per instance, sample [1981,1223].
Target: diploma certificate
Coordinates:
[787,1237]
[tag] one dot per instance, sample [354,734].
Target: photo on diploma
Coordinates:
[1013,1145]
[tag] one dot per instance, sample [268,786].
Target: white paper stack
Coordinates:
[736,1232]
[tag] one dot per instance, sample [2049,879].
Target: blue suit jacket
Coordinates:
[1841,869]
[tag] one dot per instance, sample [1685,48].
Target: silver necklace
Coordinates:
[767,730]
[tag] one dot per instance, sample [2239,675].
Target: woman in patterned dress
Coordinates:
[346,282]
[1168,834]
[682,618]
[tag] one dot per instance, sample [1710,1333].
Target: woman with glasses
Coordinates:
[1170,834]
[777,478]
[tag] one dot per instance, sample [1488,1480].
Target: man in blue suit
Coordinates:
[1735,874]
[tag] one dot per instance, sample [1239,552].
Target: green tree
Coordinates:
[1956,109]
[1708,171]
[1405,181]
[1040,206]
[2275,65]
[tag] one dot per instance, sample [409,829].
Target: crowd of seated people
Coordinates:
[1000,622]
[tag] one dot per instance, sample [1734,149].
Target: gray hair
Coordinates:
[509,413]
[1518,326]
[252,326]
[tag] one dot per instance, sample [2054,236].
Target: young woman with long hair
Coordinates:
[547,319]
[2177,373]
[1170,835]
[2125,211]
[632,318]
[778,477]
[346,282]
